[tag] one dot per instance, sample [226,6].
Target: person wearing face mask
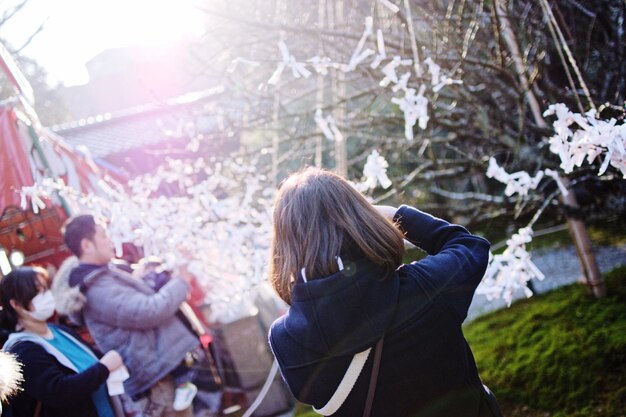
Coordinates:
[62,375]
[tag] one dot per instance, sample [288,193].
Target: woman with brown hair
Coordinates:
[337,261]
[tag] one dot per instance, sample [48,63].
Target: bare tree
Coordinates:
[294,64]
[490,114]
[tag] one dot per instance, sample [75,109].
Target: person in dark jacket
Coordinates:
[337,261]
[62,375]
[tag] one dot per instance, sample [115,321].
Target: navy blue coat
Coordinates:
[427,367]
[62,392]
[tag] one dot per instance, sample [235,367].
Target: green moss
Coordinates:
[563,352]
[303,410]
[609,233]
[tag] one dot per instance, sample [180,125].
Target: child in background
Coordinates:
[150,270]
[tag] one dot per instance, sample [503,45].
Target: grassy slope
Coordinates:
[563,352]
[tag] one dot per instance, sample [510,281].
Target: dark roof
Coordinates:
[141,126]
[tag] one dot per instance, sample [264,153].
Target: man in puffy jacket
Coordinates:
[125,314]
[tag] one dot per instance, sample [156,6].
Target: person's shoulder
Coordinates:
[108,276]
[26,348]
[277,333]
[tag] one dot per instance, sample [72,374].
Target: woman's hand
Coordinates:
[387,211]
[112,360]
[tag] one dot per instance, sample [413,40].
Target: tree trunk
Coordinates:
[319,139]
[336,18]
[275,139]
[577,228]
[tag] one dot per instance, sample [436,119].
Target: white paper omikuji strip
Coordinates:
[328,126]
[434,70]
[337,135]
[375,171]
[32,194]
[394,9]
[389,70]
[298,69]
[592,139]
[415,107]
[382,54]
[403,83]
[321,65]
[438,80]
[227,237]
[511,270]
[516,183]
[359,55]
[322,123]
[235,63]
[557,178]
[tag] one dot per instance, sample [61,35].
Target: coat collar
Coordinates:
[343,313]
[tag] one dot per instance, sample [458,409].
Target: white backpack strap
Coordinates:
[346,384]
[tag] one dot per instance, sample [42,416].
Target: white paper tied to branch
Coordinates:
[33,194]
[321,65]
[510,271]
[322,123]
[415,107]
[229,237]
[521,182]
[389,70]
[516,183]
[403,83]
[359,55]
[593,138]
[557,178]
[328,126]
[382,54]
[375,171]
[298,69]
[391,6]
[237,61]
[437,79]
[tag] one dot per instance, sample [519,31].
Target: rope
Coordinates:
[563,44]
[409,21]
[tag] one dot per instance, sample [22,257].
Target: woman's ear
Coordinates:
[16,306]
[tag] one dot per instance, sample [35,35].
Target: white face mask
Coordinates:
[43,306]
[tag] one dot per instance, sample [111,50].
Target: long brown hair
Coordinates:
[318,216]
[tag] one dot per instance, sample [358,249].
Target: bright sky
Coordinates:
[77,30]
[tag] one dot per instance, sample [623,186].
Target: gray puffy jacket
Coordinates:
[123,313]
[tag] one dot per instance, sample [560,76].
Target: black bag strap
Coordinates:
[373,378]
[37,409]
